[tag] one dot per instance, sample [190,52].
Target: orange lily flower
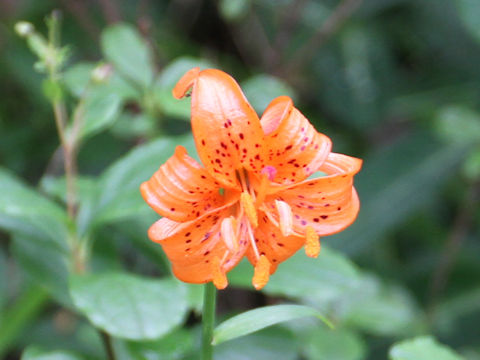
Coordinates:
[252,197]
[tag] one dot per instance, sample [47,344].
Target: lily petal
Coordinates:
[328,204]
[227,130]
[181,189]
[193,247]
[293,146]
[272,243]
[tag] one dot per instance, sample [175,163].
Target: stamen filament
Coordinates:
[248,206]
[252,240]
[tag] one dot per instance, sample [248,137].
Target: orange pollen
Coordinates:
[228,233]
[248,206]
[262,273]
[219,278]
[312,242]
[285,217]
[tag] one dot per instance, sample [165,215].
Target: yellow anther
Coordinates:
[262,272]
[285,217]
[247,203]
[228,233]
[219,278]
[312,242]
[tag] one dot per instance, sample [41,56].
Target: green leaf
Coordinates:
[130,126]
[260,90]
[78,77]
[4,291]
[166,81]
[101,109]
[422,348]
[269,344]
[471,166]
[325,279]
[257,319]
[56,187]
[173,346]
[129,306]
[338,344]
[36,353]
[458,124]
[26,308]
[171,73]
[469,11]
[124,47]
[449,314]
[45,263]
[379,308]
[26,212]
[119,194]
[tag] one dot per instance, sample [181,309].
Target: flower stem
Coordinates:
[208,320]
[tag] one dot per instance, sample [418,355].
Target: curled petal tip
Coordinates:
[219,278]
[185,83]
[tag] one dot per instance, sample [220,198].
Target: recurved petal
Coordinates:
[227,130]
[195,247]
[272,243]
[292,145]
[181,189]
[328,204]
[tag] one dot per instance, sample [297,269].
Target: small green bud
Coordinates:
[24,28]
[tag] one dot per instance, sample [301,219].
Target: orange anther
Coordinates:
[312,242]
[262,272]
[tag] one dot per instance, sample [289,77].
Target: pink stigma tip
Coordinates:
[270,171]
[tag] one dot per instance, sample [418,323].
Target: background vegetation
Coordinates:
[395,82]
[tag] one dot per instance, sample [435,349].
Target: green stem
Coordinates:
[208,320]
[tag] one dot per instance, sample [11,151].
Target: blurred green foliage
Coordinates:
[395,82]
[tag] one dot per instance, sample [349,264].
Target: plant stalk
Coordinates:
[208,320]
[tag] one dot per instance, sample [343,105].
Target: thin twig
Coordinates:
[107,342]
[460,229]
[338,17]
